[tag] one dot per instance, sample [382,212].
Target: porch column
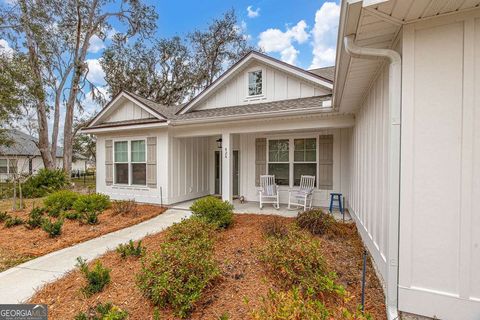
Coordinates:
[227,165]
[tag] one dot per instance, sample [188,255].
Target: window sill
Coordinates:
[254,98]
[129,187]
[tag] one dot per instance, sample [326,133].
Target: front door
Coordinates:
[218,173]
[235,173]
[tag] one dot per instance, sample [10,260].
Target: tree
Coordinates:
[161,72]
[84,145]
[56,35]
[217,47]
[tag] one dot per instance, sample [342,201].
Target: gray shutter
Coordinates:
[325,162]
[152,162]
[260,159]
[108,162]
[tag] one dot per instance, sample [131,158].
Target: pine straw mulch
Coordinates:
[240,288]
[19,244]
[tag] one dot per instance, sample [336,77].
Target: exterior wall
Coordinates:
[189,171]
[368,201]
[156,195]
[128,111]
[440,169]
[277,85]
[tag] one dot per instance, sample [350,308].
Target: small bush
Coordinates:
[129,249]
[316,221]
[61,200]
[71,215]
[54,229]
[4,216]
[213,210]
[106,311]
[44,182]
[90,217]
[177,275]
[54,212]
[124,206]
[13,221]
[35,218]
[276,227]
[94,202]
[97,278]
[291,304]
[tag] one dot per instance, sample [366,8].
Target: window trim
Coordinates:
[8,167]
[264,87]
[129,161]
[306,162]
[268,162]
[9,160]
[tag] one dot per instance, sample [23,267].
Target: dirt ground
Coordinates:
[236,294]
[19,244]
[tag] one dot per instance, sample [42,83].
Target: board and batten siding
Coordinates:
[440,168]
[369,145]
[277,85]
[189,174]
[128,111]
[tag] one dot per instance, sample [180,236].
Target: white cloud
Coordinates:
[325,35]
[90,106]
[96,44]
[95,72]
[253,13]
[5,48]
[275,40]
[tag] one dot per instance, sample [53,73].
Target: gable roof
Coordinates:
[254,55]
[325,72]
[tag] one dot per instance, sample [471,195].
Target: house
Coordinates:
[396,130]
[23,156]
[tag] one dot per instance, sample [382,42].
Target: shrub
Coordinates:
[94,202]
[90,217]
[35,218]
[213,210]
[54,229]
[44,182]
[4,216]
[97,278]
[61,200]
[54,212]
[106,311]
[276,227]
[124,206]
[177,274]
[71,215]
[130,249]
[13,221]
[316,221]
[291,304]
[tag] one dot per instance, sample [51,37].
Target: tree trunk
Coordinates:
[14,206]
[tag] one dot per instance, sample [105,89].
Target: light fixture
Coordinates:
[219,143]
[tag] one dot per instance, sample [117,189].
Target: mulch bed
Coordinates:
[237,293]
[19,244]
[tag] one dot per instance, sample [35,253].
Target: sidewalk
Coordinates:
[19,283]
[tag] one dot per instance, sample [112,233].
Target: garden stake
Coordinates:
[363,279]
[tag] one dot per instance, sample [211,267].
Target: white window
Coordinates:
[130,162]
[255,83]
[305,159]
[279,161]
[8,166]
[3,166]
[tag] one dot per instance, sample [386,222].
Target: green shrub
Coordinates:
[177,275]
[106,311]
[35,218]
[94,202]
[213,210]
[4,216]
[44,182]
[129,249]
[124,206]
[316,221]
[292,305]
[13,221]
[97,278]
[54,229]
[54,212]
[71,215]
[61,200]
[90,217]
[276,227]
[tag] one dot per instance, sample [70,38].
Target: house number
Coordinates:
[226,153]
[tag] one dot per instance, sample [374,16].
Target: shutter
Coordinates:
[152,162]
[260,159]
[108,162]
[325,162]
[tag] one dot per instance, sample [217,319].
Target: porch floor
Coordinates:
[253,207]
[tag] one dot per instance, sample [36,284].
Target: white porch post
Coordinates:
[227,165]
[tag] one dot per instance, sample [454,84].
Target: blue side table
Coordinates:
[336,197]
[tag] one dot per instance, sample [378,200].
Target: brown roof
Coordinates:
[163,110]
[126,123]
[325,72]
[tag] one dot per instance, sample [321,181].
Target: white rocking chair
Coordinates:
[302,197]
[268,192]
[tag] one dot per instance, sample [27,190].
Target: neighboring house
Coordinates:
[23,156]
[397,132]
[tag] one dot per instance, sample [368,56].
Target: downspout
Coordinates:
[394,103]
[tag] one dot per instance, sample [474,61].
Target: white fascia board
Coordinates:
[112,103]
[123,128]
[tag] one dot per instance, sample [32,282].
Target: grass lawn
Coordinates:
[242,283]
[19,244]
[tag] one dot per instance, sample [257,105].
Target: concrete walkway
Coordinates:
[19,283]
